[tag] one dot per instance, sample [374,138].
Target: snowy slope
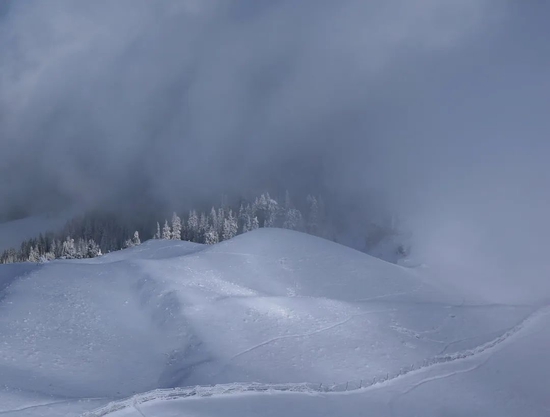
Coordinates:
[271,306]
[13,233]
[506,377]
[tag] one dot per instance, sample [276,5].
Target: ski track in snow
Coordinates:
[324,329]
[310,388]
[418,384]
[48,404]
[136,407]
[30,407]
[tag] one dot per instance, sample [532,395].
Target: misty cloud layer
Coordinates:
[437,108]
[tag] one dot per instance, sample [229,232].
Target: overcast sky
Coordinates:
[440,108]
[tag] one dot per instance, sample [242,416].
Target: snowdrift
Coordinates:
[270,307]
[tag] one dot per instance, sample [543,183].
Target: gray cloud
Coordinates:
[102,96]
[438,107]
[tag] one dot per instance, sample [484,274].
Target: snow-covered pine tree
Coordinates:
[312,226]
[81,248]
[42,244]
[293,219]
[176,227]
[68,250]
[271,211]
[259,208]
[221,218]
[262,201]
[244,218]
[9,256]
[48,256]
[135,239]
[233,223]
[166,231]
[34,255]
[157,233]
[255,224]
[213,220]
[211,236]
[248,226]
[203,227]
[54,248]
[230,226]
[266,209]
[93,250]
[192,226]
[226,233]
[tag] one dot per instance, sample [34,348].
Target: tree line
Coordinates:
[95,233]
[224,223]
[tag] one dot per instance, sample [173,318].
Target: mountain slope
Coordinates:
[270,306]
[13,233]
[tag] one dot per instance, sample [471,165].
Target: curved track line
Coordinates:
[323,329]
[71,401]
[310,388]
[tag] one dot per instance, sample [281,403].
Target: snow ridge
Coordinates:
[313,388]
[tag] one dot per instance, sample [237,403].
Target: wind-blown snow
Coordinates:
[270,307]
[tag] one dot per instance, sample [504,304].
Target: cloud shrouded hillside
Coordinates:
[433,110]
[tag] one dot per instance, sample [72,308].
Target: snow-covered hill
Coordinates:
[269,307]
[14,232]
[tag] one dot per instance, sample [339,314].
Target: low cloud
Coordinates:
[432,110]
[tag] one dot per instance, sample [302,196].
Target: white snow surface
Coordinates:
[13,233]
[272,323]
